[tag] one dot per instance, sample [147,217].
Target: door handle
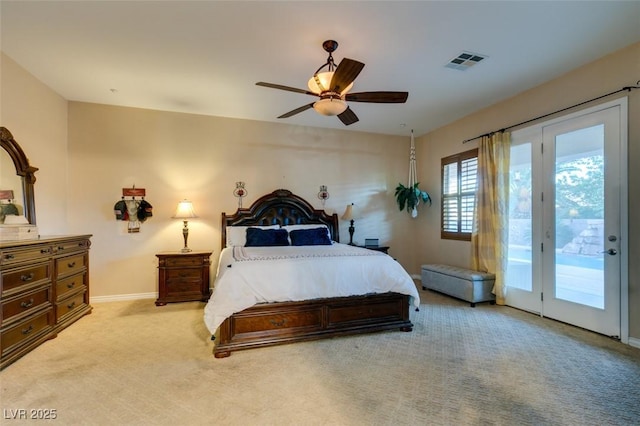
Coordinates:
[611,252]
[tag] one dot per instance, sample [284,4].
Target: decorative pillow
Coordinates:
[310,237]
[237,235]
[266,237]
[290,228]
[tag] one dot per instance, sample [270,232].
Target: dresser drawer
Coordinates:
[70,265]
[15,279]
[33,254]
[61,248]
[66,286]
[20,307]
[70,305]
[26,331]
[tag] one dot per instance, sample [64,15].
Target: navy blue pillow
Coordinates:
[310,237]
[257,237]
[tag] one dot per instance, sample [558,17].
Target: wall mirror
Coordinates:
[17,175]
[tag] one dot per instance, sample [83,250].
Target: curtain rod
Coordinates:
[627,88]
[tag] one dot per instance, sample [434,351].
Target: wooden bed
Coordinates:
[270,324]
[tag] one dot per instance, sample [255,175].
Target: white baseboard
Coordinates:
[634,342]
[123,297]
[416,276]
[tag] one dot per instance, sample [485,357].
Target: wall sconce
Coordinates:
[240,192]
[348,215]
[323,195]
[185,212]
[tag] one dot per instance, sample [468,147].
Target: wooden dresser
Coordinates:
[44,288]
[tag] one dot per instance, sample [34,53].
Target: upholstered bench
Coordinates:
[465,284]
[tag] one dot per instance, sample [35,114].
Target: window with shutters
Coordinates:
[459,175]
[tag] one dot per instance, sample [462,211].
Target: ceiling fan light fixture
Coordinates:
[321,82]
[330,106]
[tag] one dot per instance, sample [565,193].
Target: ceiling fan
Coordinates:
[332,88]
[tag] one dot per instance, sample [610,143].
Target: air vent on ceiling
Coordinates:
[465,60]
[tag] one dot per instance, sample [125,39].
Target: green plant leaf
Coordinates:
[410,197]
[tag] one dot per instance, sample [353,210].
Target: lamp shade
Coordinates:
[330,106]
[321,82]
[185,210]
[348,213]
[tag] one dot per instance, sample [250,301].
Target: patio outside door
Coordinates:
[565,242]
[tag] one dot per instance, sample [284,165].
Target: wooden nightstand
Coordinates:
[183,277]
[384,249]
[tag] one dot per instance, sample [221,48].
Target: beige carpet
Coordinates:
[132,363]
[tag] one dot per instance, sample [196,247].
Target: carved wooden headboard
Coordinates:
[281,207]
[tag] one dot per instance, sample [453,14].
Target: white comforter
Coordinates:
[255,275]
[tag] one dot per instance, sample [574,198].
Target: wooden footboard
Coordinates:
[272,324]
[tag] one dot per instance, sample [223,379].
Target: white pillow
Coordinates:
[290,228]
[237,235]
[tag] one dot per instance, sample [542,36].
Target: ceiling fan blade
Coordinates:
[348,117]
[378,97]
[344,75]
[287,88]
[297,110]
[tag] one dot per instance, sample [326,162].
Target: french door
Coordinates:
[566,240]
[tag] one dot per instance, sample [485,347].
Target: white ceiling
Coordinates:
[204,57]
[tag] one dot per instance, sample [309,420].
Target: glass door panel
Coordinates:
[579,216]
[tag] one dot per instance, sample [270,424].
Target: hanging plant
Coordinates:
[409,197]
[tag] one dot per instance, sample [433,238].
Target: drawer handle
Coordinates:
[278,323]
[71,264]
[26,331]
[71,305]
[26,278]
[45,251]
[26,304]
[71,284]
[9,256]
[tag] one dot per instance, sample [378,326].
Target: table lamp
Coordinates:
[348,215]
[185,212]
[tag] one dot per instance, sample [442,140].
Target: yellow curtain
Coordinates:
[490,236]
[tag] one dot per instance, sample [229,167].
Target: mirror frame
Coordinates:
[24,170]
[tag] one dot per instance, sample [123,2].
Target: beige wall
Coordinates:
[606,75]
[175,156]
[37,118]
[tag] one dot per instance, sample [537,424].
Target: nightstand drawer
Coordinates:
[187,274]
[25,305]
[184,261]
[183,287]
